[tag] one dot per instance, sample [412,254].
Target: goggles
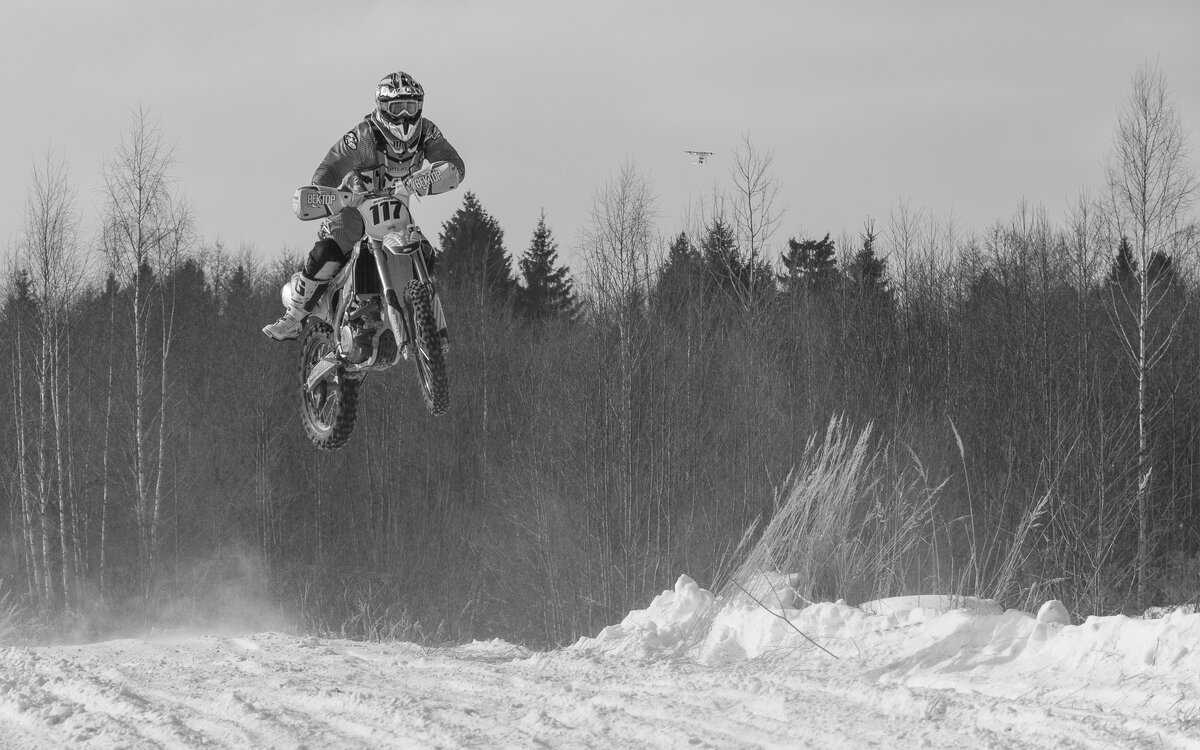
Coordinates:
[400,107]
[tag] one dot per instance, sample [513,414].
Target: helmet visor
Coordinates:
[398,108]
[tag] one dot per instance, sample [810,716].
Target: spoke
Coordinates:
[325,412]
[426,379]
[317,408]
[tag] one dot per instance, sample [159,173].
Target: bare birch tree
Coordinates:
[617,244]
[30,540]
[50,251]
[755,189]
[1151,186]
[146,224]
[618,239]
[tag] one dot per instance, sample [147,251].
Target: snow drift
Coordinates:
[958,643]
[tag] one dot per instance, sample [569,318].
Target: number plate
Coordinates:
[385,215]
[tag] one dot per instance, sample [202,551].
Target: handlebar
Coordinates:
[420,183]
[314,202]
[399,190]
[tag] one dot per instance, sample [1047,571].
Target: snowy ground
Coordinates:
[682,673]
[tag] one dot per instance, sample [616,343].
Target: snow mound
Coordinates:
[1054,611]
[900,635]
[748,626]
[1108,664]
[666,626]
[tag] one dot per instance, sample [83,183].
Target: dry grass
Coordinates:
[12,616]
[859,523]
[840,530]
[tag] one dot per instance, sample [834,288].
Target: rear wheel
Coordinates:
[430,357]
[329,409]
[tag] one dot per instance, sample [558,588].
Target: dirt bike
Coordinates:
[380,309]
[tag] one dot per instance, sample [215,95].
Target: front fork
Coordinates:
[396,269]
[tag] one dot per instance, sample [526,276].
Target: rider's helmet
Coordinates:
[398,103]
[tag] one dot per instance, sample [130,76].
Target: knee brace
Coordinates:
[324,260]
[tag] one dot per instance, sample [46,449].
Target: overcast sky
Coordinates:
[963,108]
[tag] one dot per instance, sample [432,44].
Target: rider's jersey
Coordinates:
[381,160]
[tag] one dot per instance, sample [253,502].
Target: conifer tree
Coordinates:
[867,270]
[680,276]
[473,250]
[1124,266]
[548,289]
[729,270]
[810,265]
[1161,269]
[720,253]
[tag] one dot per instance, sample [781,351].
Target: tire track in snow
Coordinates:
[274,690]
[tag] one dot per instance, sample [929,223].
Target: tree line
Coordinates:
[1033,386]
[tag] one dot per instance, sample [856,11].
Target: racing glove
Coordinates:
[355,184]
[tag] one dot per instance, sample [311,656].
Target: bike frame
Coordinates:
[387,220]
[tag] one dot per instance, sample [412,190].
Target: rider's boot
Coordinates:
[305,292]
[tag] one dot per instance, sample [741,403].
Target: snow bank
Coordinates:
[929,641]
[748,625]
[1169,643]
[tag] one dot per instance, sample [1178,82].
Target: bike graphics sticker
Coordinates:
[385,211]
[351,140]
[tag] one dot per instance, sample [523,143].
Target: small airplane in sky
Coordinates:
[701,156]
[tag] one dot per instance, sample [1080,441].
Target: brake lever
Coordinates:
[400,190]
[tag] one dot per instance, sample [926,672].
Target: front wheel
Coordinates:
[430,356]
[329,409]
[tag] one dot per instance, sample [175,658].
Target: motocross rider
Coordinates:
[387,147]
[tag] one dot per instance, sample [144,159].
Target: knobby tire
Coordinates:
[329,411]
[430,357]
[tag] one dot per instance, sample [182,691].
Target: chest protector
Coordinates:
[396,160]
